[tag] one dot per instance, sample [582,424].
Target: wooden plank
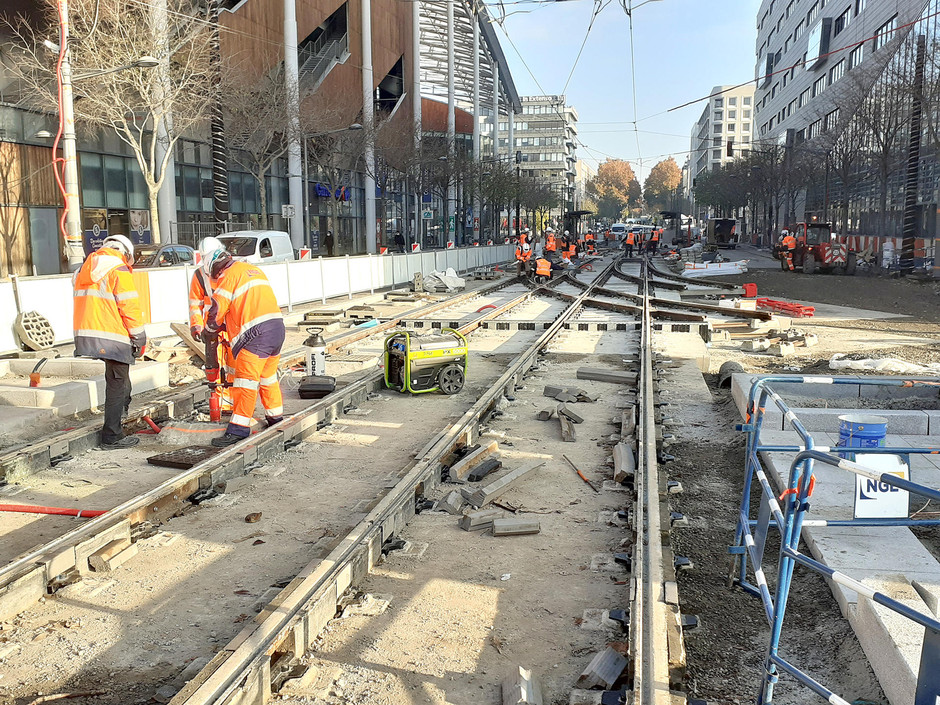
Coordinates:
[521,688]
[568,434]
[112,555]
[182,330]
[624,462]
[628,422]
[462,468]
[598,374]
[603,671]
[515,526]
[545,414]
[563,410]
[482,519]
[486,494]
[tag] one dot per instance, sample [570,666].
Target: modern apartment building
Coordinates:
[805,47]
[545,135]
[724,130]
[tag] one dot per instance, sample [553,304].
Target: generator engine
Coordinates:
[426,363]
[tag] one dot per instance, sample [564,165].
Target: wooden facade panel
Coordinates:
[41,186]
[14,241]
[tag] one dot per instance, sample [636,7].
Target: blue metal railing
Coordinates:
[788,513]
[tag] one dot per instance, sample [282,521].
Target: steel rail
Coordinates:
[241,673]
[229,463]
[650,615]
[653,270]
[34,456]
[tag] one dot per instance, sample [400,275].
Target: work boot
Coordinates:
[229,439]
[271,421]
[125,442]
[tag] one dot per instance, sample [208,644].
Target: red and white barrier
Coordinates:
[450,244]
[415,247]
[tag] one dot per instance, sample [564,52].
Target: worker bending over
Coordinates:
[108,326]
[200,300]
[243,303]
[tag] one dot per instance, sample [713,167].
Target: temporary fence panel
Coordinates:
[47,296]
[788,515]
[8,315]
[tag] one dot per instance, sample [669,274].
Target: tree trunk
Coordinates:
[154,215]
[262,199]
[883,205]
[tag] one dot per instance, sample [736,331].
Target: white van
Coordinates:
[259,246]
[618,231]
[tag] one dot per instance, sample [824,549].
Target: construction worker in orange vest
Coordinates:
[629,241]
[523,255]
[200,300]
[108,325]
[550,244]
[590,242]
[543,270]
[571,249]
[789,246]
[243,303]
[654,241]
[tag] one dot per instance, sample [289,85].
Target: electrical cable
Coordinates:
[599,6]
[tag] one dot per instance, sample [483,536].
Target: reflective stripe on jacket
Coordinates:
[550,243]
[789,242]
[106,316]
[244,302]
[630,238]
[523,253]
[200,299]
[543,267]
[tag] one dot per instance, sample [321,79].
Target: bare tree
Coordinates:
[257,123]
[149,108]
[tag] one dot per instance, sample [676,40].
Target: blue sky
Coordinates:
[683,49]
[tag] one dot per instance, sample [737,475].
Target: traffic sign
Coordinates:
[427,215]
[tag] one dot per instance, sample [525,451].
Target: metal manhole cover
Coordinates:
[184,458]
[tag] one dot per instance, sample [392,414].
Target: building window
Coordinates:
[856,56]
[773,91]
[804,98]
[732,114]
[860,6]
[885,32]
[790,7]
[800,26]
[831,119]
[771,123]
[747,115]
[786,45]
[747,100]
[746,127]
[819,85]
[786,77]
[842,21]
[812,14]
[730,127]
[716,154]
[814,129]
[717,128]
[718,115]
[837,72]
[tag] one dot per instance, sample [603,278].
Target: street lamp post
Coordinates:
[72,232]
[518,189]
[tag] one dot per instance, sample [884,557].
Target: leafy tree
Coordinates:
[661,184]
[615,188]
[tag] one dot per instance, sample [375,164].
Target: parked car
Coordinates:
[168,255]
[259,246]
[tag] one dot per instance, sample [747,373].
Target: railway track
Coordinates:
[364,502]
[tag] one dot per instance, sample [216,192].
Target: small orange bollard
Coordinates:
[34,379]
[215,407]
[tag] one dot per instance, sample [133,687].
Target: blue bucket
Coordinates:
[862,431]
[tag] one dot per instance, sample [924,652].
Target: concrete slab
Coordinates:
[895,667]
[14,419]
[908,423]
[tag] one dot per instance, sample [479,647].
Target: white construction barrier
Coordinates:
[165,292]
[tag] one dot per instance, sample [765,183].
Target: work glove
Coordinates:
[138,351]
[196,332]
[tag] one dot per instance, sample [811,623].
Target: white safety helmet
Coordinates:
[207,248]
[122,244]
[549,230]
[566,232]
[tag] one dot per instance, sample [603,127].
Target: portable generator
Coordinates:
[426,363]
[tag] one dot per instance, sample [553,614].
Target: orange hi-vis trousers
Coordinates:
[254,375]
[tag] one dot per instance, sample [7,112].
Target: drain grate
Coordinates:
[184,458]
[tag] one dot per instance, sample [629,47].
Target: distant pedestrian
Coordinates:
[328,241]
[399,241]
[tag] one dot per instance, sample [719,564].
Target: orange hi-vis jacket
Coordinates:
[550,242]
[523,253]
[789,242]
[543,267]
[631,239]
[572,250]
[655,236]
[106,315]
[244,302]
[589,236]
[200,299]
